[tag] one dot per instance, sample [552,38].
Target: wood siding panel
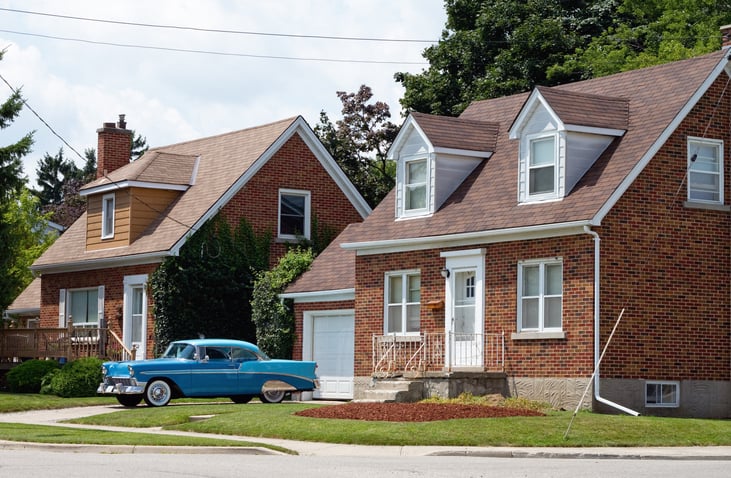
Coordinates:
[146,206]
[121,237]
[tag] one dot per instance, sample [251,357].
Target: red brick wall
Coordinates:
[669,265]
[113,148]
[569,357]
[113,282]
[300,309]
[294,166]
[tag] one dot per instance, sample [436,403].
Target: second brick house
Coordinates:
[520,233]
[277,176]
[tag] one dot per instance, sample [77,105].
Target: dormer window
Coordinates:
[542,168]
[108,216]
[415,185]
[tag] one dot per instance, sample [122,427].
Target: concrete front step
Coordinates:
[394,391]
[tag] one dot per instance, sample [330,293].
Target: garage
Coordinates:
[333,339]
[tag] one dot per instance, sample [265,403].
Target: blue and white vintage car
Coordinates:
[206,368]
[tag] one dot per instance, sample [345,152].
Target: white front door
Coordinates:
[134,328]
[464,308]
[332,347]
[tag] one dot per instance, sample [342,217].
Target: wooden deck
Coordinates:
[17,345]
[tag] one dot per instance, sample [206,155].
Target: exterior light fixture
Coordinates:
[444,272]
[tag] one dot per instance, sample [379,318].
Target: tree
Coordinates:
[359,142]
[649,32]
[207,288]
[274,318]
[11,182]
[53,172]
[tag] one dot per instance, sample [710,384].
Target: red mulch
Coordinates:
[413,412]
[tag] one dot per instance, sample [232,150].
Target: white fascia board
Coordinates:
[103,263]
[331,166]
[463,152]
[468,238]
[320,296]
[575,128]
[114,186]
[723,65]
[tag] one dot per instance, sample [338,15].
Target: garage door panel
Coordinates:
[333,349]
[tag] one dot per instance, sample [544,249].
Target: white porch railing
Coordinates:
[413,354]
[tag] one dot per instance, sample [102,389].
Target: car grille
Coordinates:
[117,381]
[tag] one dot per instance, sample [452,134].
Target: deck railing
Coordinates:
[60,343]
[395,355]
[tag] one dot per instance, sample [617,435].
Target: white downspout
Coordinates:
[597,315]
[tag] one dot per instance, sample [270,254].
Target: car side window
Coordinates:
[217,353]
[243,355]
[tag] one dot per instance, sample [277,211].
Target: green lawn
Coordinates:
[278,421]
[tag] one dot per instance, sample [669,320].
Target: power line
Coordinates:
[212,52]
[216,30]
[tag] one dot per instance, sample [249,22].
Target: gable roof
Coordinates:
[584,109]
[448,133]
[29,301]
[658,98]
[154,169]
[221,166]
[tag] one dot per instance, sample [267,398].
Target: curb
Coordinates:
[138,450]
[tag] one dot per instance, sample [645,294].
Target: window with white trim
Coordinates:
[403,302]
[108,216]
[705,170]
[82,306]
[540,295]
[415,185]
[294,214]
[662,394]
[542,168]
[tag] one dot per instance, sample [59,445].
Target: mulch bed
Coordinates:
[413,412]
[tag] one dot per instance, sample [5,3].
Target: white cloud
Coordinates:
[171,96]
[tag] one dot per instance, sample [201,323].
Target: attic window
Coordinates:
[415,185]
[705,164]
[108,216]
[542,167]
[294,214]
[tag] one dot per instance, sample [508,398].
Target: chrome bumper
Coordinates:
[120,389]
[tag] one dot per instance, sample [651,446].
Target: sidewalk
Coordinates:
[53,417]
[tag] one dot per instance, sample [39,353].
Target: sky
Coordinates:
[75,80]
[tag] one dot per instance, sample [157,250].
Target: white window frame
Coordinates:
[108,208]
[660,404]
[406,186]
[307,195]
[404,304]
[66,303]
[693,146]
[542,295]
[530,140]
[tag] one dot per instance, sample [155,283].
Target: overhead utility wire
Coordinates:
[216,30]
[219,53]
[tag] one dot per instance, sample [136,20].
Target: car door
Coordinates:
[249,380]
[215,374]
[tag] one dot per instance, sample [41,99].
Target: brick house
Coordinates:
[277,176]
[519,233]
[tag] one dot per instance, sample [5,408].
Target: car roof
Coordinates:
[220,343]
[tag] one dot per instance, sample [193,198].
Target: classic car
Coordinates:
[206,368]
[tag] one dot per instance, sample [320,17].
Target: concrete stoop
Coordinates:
[393,390]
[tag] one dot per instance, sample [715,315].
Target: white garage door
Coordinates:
[333,344]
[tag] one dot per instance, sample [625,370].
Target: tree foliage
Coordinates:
[274,318]
[206,290]
[492,48]
[359,142]
[12,181]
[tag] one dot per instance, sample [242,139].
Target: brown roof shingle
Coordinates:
[458,133]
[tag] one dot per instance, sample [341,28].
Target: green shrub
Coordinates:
[79,378]
[27,377]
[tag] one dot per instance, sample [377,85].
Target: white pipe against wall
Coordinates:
[597,315]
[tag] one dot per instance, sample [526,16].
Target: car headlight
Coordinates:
[104,371]
[131,371]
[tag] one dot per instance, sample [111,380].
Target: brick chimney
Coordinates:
[725,36]
[115,145]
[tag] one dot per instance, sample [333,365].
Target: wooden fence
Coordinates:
[69,343]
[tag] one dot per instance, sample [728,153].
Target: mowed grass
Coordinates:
[280,421]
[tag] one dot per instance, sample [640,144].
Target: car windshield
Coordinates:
[179,350]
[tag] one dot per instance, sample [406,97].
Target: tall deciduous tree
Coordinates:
[11,182]
[359,142]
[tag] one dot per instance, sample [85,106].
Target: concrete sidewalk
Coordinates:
[54,417]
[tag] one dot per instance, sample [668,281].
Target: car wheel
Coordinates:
[272,396]
[129,400]
[158,393]
[241,398]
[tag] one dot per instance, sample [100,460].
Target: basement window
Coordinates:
[662,394]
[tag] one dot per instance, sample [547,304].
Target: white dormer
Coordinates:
[434,155]
[561,135]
